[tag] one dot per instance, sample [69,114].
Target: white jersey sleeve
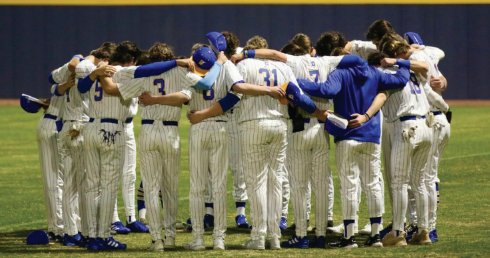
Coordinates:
[61,74]
[363,48]
[55,104]
[84,68]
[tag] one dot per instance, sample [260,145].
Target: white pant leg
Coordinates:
[235,158]
[286,192]
[52,173]
[369,164]
[129,171]
[92,177]
[388,130]
[346,156]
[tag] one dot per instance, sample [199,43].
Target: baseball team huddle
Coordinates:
[264,114]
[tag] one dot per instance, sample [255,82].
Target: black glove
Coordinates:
[296,118]
[449,116]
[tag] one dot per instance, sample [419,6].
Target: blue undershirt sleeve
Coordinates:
[154,69]
[85,84]
[327,89]
[393,81]
[207,82]
[350,61]
[228,101]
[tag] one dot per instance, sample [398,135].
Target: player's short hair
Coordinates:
[293,49]
[161,52]
[392,45]
[378,29]
[104,51]
[144,58]
[232,43]
[328,41]
[339,51]
[197,46]
[126,52]
[303,41]
[256,42]
[375,58]
[181,57]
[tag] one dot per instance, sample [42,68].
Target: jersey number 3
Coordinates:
[161,85]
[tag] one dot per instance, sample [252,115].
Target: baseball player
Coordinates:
[353,91]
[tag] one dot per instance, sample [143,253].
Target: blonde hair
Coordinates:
[256,42]
[392,45]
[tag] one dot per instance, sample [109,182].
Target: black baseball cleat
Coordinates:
[374,241]
[344,243]
[330,224]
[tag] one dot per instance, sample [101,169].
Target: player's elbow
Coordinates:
[239,88]
[184,99]
[112,91]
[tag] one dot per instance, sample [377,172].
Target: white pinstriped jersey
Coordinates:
[102,105]
[315,69]
[61,74]
[202,99]
[56,104]
[433,71]
[408,101]
[175,80]
[76,103]
[133,108]
[363,48]
[266,73]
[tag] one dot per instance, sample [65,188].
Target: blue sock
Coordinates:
[375,225]
[437,190]
[240,208]
[209,208]
[240,204]
[348,228]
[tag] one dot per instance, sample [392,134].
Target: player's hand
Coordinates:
[195,116]
[221,58]
[105,70]
[276,92]
[388,62]
[357,121]
[187,63]
[237,58]
[415,46]
[147,98]
[436,83]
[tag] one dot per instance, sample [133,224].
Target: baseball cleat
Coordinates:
[169,242]
[180,225]
[143,220]
[385,231]
[137,227]
[83,241]
[208,221]
[292,227]
[156,246]
[111,244]
[258,244]
[219,243]
[433,236]
[94,244]
[296,242]
[55,238]
[71,240]
[330,224]
[339,229]
[318,242]
[374,241]
[392,240]
[197,244]
[241,221]
[421,238]
[344,243]
[366,230]
[410,229]
[274,243]
[283,224]
[119,228]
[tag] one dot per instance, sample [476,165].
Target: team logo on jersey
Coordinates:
[108,136]
[312,63]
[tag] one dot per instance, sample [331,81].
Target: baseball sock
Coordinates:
[131,219]
[348,228]
[375,225]
[209,208]
[240,208]
[437,191]
[142,213]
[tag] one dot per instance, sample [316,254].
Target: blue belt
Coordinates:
[405,118]
[105,120]
[307,120]
[437,113]
[167,123]
[128,120]
[48,116]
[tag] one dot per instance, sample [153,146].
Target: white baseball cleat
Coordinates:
[366,230]
[179,225]
[339,229]
[274,243]
[156,246]
[219,243]
[197,244]
[258,244]
[169,242]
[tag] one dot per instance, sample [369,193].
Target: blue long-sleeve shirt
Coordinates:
[353,91]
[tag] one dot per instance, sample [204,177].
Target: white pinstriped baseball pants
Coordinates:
[307,160]
[104,156]
[235,157]
[74,203]
[160,166]
[264,150]
[51,173]
[208,158]
[408,167]
[359,160]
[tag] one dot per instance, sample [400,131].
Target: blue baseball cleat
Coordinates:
[137,227]
[385,231]
[283,224]
[111,244]
[119,228]
[296,242]
[71,240]
[410,229]
[83,241]
[208,221]
[95,244]
[241,221]
[318,242]
[433,236]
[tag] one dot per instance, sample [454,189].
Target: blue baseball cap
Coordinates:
[38,237]
[204,58]
[413,38]
[29,105]
[217,41]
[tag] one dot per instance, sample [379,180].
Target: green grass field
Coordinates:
[462,224]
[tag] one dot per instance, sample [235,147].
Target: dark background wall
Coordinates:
[37,39]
